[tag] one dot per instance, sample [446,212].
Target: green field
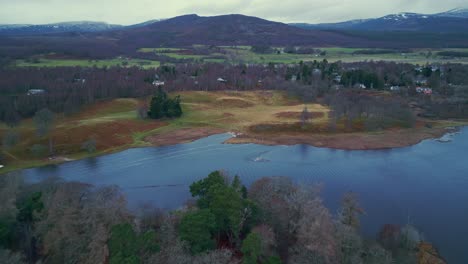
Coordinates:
[244,54]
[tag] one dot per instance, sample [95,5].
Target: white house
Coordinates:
[360,86]
[158,83]
[221,80]
[35,91]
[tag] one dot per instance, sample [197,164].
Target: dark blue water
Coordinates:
[425,185]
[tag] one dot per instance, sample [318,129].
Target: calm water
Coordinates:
[426,184]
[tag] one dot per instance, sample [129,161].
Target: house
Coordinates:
[317,72]
[420,80]
[337,79]
[158,83]
[35,91]
[221,80]
[78,80]
[395,88]
[424,90]
[427,91]
[360,86]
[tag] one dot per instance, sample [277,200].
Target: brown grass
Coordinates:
[297,115]
[233,102]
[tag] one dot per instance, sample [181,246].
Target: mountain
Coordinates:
[452,21]
[81,26]
[457,12]
[221,30]
[100,40]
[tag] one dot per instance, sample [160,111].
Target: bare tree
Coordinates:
[305,116]
[44,120]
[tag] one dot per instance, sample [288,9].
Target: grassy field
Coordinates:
[115,126]
[243,54]
[43,62]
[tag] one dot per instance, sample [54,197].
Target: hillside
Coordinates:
[223,30]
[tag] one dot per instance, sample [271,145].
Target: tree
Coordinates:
[156,104]
[350,210]
[126,246]
[304,117]
[196,228]
[225,201]
[200,188]
[89,145]
[251,248]
[161,106]
[44,120]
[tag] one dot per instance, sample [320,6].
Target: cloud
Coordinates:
[135,11]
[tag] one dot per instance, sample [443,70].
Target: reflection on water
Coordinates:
[425,183]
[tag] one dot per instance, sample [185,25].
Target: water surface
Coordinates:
[425,185]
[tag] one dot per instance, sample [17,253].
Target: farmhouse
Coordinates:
[221,80]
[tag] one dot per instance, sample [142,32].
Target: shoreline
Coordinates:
[349,141]
[344,141]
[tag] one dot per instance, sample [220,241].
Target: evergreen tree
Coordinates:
[161,106]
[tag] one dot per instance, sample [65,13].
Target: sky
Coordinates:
[128,12]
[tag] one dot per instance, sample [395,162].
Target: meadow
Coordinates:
[244,54]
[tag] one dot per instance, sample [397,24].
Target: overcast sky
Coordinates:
[135,11]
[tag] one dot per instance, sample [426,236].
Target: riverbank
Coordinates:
[348,141]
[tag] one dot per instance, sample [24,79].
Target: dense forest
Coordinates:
[272,221]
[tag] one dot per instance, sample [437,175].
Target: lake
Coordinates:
[425,185]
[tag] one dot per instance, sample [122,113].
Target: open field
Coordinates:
[265,117]
[243,54]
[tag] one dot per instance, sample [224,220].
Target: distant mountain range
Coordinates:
[81,26]
[101,40]
[452,21]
